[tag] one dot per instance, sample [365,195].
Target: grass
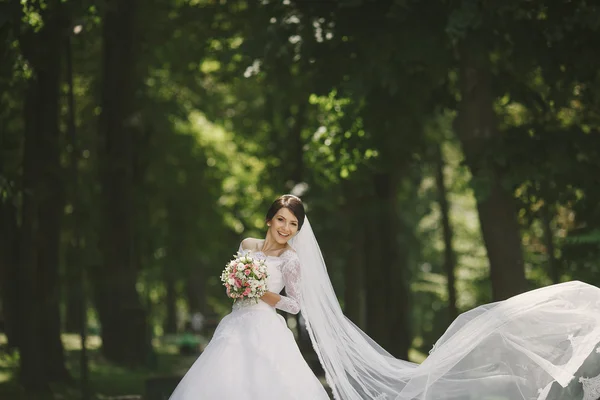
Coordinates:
[106,380]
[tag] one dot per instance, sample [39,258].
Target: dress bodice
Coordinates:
[284,272]
[275,281]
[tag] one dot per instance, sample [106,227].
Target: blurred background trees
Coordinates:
[447,153]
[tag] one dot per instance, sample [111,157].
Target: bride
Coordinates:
[540,345]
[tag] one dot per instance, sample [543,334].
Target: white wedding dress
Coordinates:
[253,354]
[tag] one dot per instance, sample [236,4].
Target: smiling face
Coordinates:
[283,226]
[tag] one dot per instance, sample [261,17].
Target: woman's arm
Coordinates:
[291,279]
[271,298]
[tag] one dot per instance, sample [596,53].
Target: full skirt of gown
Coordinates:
[252,355]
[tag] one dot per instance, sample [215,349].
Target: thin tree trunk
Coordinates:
[32,374]
[170,303]
[549,241]
[73,304]
[355,260]
[449,256]
[477,130]
[353,276]
[123,319]
[9,270]
[400,308]
[175,255]
[297,150]
[74,312]
[376,277]
[50,215]
[196,290]
[75,265]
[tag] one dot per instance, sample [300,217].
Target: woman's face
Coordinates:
[283,226]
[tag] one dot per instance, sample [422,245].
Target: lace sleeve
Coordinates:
[291,279]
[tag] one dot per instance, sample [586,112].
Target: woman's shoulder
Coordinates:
[251,244]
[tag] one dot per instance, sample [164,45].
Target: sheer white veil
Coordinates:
[515,349]
[356,367]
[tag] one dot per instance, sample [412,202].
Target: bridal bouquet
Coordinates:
[245,277]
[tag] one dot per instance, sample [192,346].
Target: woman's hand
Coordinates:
[271,298]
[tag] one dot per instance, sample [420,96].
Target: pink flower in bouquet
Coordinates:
[247,272]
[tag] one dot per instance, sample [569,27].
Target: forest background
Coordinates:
[447,153]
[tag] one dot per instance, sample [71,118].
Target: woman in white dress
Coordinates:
[253,354]
[540,345]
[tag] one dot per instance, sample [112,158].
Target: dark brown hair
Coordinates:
[292,203]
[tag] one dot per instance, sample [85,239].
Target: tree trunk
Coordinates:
[10,142]
[123,319]
[549,241]
[32,374]
[478,132]
[449,256]
[173,261]
[400,308]
[73,305]
[386,287]
[353,276]
[297,144]
[376,278]
[50,210]
[9,270]
[196,290]
[355,260]
[42,206]
[170,302]
[76,310]
[49,220]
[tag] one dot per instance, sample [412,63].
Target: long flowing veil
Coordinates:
[356,367]
[515,349]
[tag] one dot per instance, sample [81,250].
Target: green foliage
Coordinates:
[588,238]
[339,146]
[240,101]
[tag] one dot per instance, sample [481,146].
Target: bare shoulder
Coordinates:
[251,244]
